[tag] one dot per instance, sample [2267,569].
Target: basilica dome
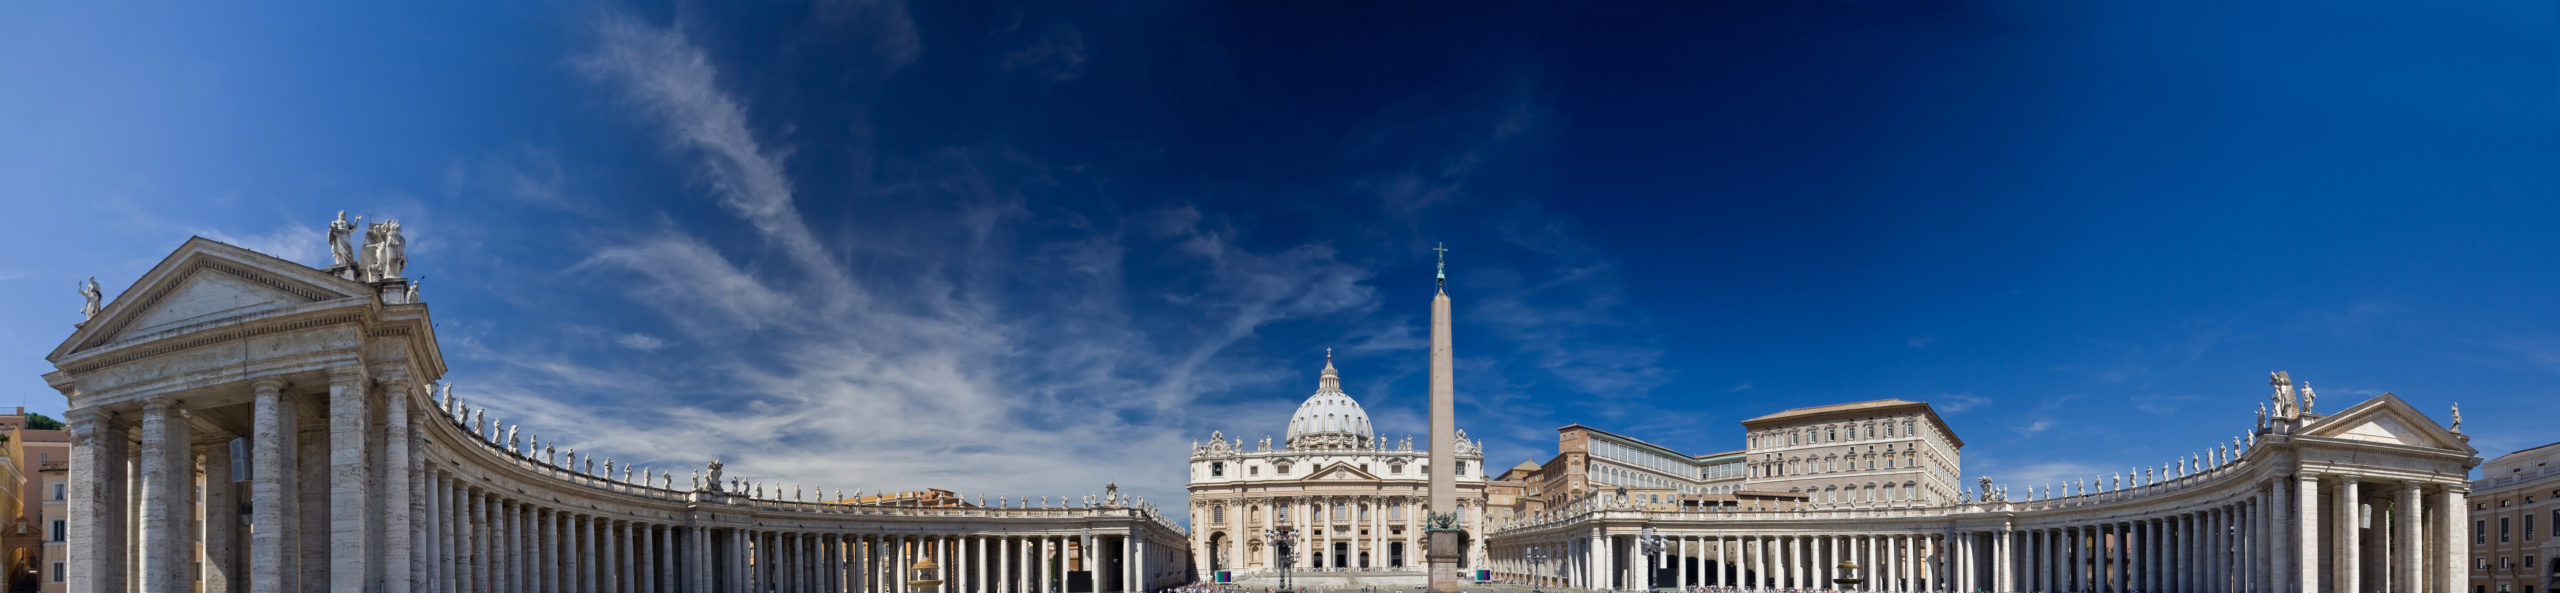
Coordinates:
[1330,419]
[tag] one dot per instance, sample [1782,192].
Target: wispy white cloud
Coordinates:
[931,351]
[1957,403]
[674,82]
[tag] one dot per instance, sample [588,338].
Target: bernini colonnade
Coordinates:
[260,425]
[2370,499]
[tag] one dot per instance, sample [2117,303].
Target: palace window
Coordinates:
[58,490]
[1395,511]
[1364,513]
[1871,431]
[1462,468]
[1253,470]
[2528,530]
[2504,530]
[1218,514]
[1341,512]
[1217,469]
[2479,531]
[61,531]
[1284,512]
[1835,434]
[1888,429]
[1906,429]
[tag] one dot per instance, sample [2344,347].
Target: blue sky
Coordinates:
[1023,249]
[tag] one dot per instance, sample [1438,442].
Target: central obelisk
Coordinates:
[1443,546]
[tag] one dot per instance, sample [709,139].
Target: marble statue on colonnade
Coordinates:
[89,297]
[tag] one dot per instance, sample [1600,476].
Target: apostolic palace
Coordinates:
[244,423]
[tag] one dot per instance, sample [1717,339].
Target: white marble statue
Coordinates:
[412,295]
[342,242]
[2308,398]
[2457,418]
[89,299]
[390,250]
[697,479]
[2283,397]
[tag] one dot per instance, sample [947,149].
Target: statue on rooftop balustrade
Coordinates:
[89,299]
[342,244]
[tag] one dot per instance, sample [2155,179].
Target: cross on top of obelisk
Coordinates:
[1443,248]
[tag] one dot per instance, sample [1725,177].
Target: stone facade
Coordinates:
[358,479]
[1353,502]
[1884,450]
[2515,505]
[2368,499]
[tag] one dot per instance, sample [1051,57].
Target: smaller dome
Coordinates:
[1330,418]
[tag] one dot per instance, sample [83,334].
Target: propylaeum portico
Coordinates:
[1443,550]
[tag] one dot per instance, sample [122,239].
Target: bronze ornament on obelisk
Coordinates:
[1443,547]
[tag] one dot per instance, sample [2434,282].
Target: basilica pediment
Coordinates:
[2387,420]
[1340,472]
[206,281]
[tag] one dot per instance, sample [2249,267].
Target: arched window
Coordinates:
[1218,514]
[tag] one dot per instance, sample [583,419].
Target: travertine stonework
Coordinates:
[1354,503]
[2368,499]
[361,480]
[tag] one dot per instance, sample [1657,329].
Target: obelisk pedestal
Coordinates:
[1443,548]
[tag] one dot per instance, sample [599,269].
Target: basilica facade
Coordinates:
[1333,500]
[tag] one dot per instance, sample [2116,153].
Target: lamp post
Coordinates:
[1281,540]
[1537,559]
[1652,544]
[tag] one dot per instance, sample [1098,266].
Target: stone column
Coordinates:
[98,502]
[271,484]
[2405,561]
[430,568]
[2453,567]
[395,485]
[168,479]
[2307,525]
[2346,552]
[351,484]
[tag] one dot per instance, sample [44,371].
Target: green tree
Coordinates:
[37,421]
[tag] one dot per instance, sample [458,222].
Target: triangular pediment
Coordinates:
[2387,420]
[1341,471]
[206,280]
